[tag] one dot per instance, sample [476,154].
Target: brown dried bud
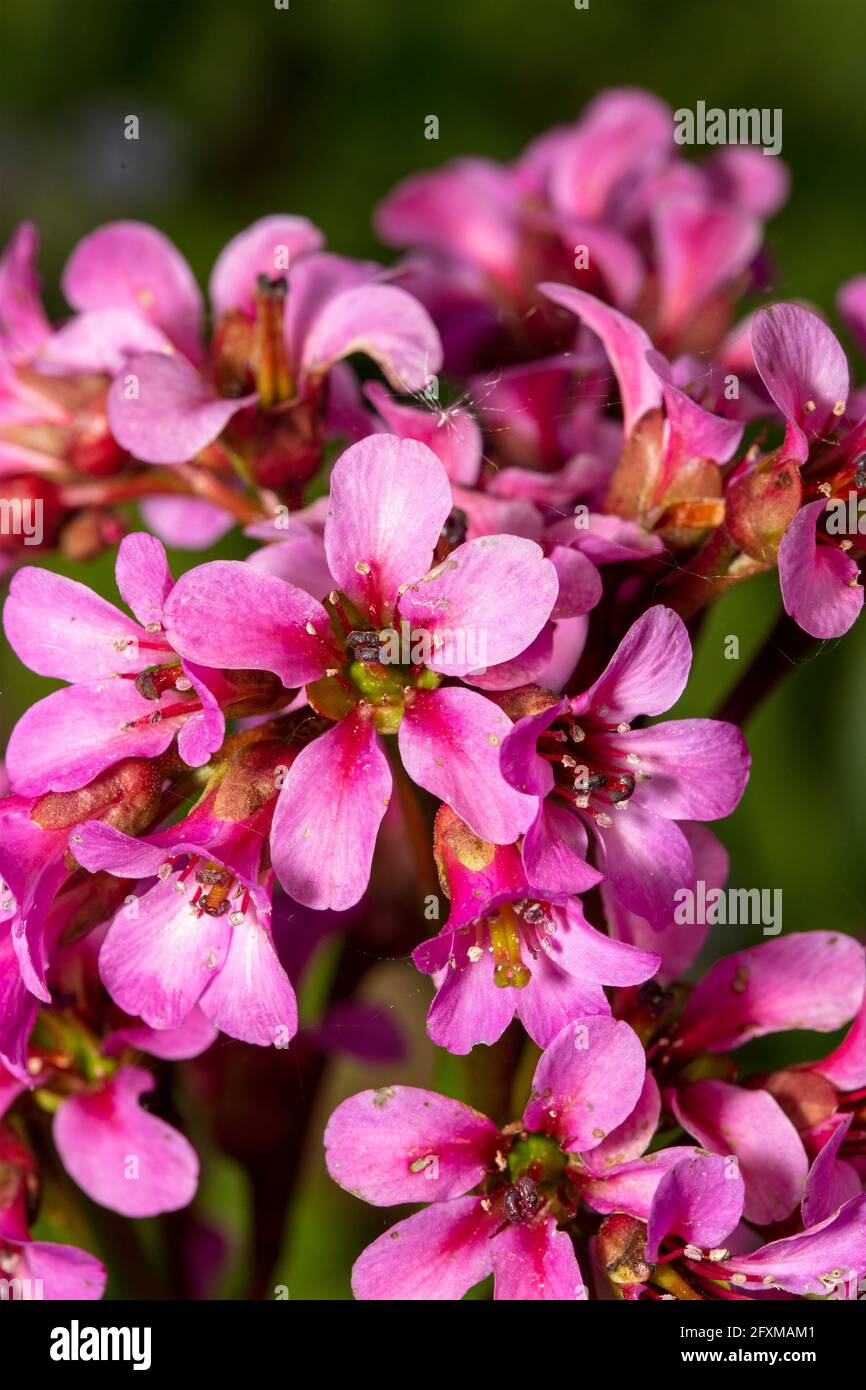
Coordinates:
[622,1249]
[125,796]
[250,779]
[760,507]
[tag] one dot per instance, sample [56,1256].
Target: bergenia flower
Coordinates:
[810,980]
[508,951]
[200,936]
[630,787]
[699,1201]
[130,694]
[287,312]
[497,1199]
[123,1157]
[482,235]
[389,501]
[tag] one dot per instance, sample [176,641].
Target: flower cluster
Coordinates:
[485,495]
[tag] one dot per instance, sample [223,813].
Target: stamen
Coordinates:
[270,362]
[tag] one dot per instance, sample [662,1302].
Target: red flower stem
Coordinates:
[183,481]
[785,648]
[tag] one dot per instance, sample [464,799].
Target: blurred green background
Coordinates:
[246,109]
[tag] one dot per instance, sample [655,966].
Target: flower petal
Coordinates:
[449,741]
[697,768]
[484,604]
[60,628]
[174,412]
[190,1038]
[453,434]
[803,367]
[587,1082]
[186,523]
[465,210]
[122,1157]
[701,246]
[630,1139]
[536,1263]
[646,674]
[626,345]
[820,584]
[630,1187]
[402,1144]
[252,998]
[623,134]
[751,1127]
[102,341]
[143,577]
[805,980]
[23,324]
[852,306]
[130,265]
[678,943]
[846,1064]
[64,1272]
[812,1262]
[469,1009]
[227,614]
[437,1255]
[829,1183]
[268,247]
[328,815]
[700,1199]
[579,583]
[62,742]
[588,954]
[160,955]
[389,500]
[555,852]
[647,860]
[384,323]
[742,175]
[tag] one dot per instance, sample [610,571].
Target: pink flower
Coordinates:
[130,695]
[630,787]
[482,235]
[35,867]
[37,1269]
[817,1260]
[507,951]
[287,313]
[23,323]
[120,1155]
[200,936]
[389,502]
[136,294]
[699,1200]
[497,1199]
[809,980]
